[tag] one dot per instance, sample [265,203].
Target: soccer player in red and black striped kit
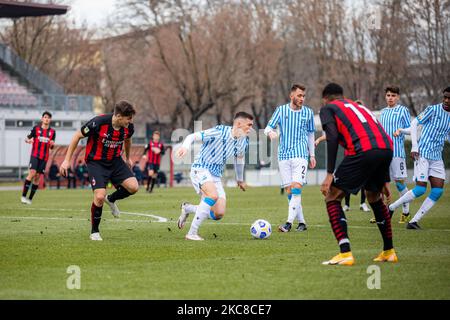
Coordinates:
[152,153]
[42,139]
[366,164]
[109,136]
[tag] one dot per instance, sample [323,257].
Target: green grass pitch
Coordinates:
[141,258]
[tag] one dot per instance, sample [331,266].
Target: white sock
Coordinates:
[406,204]
[426,206]
[406,198]
[190,208]
[293,205]
[300,217]
[201,214]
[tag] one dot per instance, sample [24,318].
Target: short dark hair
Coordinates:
[296,86]
[392,89]
[244,115]
[156,132]
[446,90]
[124,108]
[332,89]
[358,101]
[46,113]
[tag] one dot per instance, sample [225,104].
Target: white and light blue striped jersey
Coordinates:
[436,129]
[295,125]
[219,145]
[392,119]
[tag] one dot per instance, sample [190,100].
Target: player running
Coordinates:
[427,155]
[42,139]
[109,136]
[152,154]
[393,117]
[368,154]
[218,144]
[296,123]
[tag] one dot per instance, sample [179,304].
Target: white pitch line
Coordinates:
[158,218]
[72,219]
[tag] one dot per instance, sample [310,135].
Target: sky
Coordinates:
[92,12]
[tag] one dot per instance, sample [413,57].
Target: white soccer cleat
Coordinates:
[364,207]
[194,237]
[25,200]
[183,216]
[346,208]
[114,208]
[95,236]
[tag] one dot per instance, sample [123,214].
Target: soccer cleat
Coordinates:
[114,208]
[25,200]
[387,256]
[286,228]
[343,259]
[364,207]
[413,226]
[404,218]
[194,237]
[346,208]
[183,216]
[95,236]
[301,227]
[373,220]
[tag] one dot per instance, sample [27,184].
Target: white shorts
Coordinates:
[397,169]
[293,170]
[199,176]
[424,168]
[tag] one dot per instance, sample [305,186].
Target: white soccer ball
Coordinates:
[261,229]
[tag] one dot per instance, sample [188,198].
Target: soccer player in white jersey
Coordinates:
[218,144]
[296,124]
[393,117]
[428,164]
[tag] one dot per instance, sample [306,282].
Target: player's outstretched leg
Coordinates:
[186,209]
[435,194]
[127,188]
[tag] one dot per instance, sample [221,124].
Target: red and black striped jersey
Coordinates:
[358,129]
[152,157]
[104,142]
[41,141]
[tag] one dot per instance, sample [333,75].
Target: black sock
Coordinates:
[120,193]
[338,225]
[96,217]
[149,181]
[26,186]
[383,219]
[347,200]
[153,184]
[34,188]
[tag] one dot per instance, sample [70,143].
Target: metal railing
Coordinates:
[35,77]
[50,102]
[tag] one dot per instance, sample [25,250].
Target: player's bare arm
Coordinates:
[70,150]
[183,150]
[127,147]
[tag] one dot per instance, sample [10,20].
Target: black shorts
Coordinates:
[153,166]
[100,173]
[368,169]
[37,164]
